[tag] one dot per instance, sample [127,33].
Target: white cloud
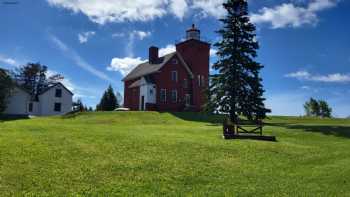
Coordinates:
[103,11]
[210,7]
[85,36]
[140,34]
[171,48]
[299,75]
[124,65]
[166,50]
[118,35]
[65,81]
[305,87]
[108,11]
[136,34]
[179,8]
[79,61]
[332,78]
[7,60]
[213,52]
[290,15]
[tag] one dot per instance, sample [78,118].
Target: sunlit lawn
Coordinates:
[149,153]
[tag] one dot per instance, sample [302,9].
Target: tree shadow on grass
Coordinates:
[5,118]
[339,131]
[214,120]
[211,119]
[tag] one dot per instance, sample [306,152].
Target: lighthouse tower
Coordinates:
[195,52]
[193,33]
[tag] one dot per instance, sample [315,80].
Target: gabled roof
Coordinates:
[147,68]
[56,84]
[147,79]
[21,88]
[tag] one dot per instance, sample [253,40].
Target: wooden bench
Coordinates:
[237,130]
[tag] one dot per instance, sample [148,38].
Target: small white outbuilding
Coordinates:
[54,100]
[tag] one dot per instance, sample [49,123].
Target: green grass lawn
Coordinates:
[153,154]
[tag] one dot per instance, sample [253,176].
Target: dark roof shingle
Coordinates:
[147,68]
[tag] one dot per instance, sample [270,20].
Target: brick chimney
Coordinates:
[153,55]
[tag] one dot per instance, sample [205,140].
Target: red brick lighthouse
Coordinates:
[173,82]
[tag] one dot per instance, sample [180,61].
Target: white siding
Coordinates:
[18,102]
[148,91]
[48,100]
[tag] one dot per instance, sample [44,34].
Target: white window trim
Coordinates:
[199,80]
[162,101]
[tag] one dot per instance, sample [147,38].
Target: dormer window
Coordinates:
[174,61]
[174,75]
[58,93]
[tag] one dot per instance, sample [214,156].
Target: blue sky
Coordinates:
[305,44]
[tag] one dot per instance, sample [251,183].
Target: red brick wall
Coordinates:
[196,55]
[163,81]
[131,96]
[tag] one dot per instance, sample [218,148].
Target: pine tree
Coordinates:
[237,88]
[312,108]
[108,101]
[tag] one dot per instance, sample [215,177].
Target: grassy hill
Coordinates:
[149,153]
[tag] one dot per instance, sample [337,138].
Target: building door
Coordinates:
[143,103]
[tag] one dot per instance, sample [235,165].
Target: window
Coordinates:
[174,96]
[58,93]
[151,91]
[174,61]
[188,99]
[185,85]
[57,107]
[174,75]
[163,95]
[201,80]
[30,107]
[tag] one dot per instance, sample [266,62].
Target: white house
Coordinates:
[54,100]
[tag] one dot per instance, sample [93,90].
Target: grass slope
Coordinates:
[149,153]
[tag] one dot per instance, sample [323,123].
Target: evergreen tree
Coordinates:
[317,108]
[6,86]
[108,101]
[325,110]
[312,108]
[237,88]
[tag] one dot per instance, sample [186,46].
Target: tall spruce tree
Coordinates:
[237,88]
[109,101]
